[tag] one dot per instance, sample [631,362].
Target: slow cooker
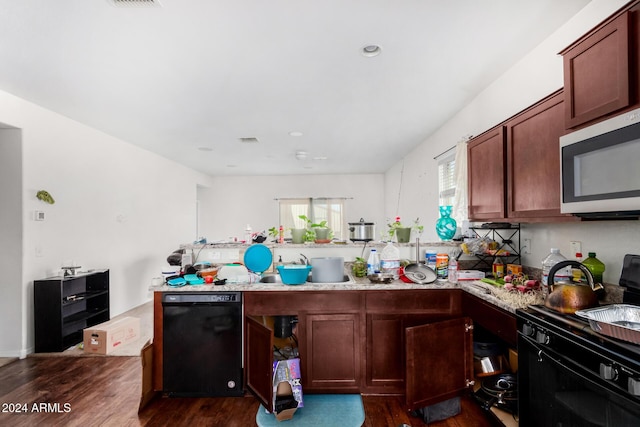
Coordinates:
[361,231]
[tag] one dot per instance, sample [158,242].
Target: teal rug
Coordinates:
[324,410]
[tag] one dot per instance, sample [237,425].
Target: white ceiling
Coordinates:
[189,74]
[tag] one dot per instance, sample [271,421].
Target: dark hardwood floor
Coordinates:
[105,391]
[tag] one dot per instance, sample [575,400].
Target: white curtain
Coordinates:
[460,200]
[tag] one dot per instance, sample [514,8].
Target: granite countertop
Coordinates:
[508,301]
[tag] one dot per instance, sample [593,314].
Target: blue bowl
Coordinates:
[294,274]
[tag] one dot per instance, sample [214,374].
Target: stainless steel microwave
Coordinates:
[600,169]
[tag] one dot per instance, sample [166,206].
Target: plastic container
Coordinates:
[373,263]
[390,260]
[453,270]
[595,266]
[294,274]
[430,258]
[563,275]
[442,266]
[497,268]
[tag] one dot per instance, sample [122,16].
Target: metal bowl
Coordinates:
[380,278]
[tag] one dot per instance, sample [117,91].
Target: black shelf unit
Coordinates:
[65,305]
[508,238]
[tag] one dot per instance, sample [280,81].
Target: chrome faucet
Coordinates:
[304,260]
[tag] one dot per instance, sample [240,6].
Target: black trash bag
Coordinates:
[176,257]
[439,411]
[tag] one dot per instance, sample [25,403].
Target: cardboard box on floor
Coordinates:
[107,336]
[287,388]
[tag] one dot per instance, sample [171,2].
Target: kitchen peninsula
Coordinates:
[356,336]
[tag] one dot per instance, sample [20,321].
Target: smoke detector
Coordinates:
[135,3]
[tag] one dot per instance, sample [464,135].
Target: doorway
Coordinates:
[11,230]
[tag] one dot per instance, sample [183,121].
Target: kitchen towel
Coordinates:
[320,410]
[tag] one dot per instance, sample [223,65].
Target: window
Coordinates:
[447,179]
[316,209]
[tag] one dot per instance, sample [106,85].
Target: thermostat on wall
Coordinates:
[39,216]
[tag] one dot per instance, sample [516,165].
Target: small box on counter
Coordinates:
[513,269]
[107,336]
[287,388]
[470,275]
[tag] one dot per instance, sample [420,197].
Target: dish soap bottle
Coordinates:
[595,266]
[373,263]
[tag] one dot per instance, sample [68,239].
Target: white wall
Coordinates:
[10,239]
[234,202]
[117,207]
[534,77]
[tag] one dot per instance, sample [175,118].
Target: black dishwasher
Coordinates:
[202,343]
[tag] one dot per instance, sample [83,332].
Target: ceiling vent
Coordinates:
[251,140]
[135,3]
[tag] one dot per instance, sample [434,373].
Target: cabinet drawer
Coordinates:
[292,302]
[431,301]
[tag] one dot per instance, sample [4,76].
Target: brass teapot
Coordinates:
[570,297]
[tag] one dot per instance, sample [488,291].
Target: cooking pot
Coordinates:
[570,297]
[327,270]
[418,273]
[361,231]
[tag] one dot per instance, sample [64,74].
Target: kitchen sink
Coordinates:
[275,278]
[345,279]
[271,278]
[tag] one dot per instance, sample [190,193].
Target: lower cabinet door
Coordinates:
[439,358]
[259,360]
[331,358]
[385,353]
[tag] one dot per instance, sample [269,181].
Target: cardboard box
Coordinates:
[287,388]
[513,269]
[470,275]
[107,336]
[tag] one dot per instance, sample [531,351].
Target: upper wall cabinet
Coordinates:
[514,168]
[601,69]
[533,161]
[486,156]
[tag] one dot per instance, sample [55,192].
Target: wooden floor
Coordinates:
[89,391]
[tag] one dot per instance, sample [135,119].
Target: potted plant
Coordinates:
[359,267]
[316,232]
[403,232]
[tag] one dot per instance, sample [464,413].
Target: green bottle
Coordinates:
[595,266]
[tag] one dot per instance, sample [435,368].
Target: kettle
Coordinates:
[570,297]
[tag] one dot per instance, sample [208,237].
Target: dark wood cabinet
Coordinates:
[65,305]
[439,361]
[514,168]
[331,352]
[329,335]
[596,73]
[372,342]
[533,161]
[497,321]
[486,160]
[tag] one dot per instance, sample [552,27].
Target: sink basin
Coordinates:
[345,279]
[275,278]
[271,278]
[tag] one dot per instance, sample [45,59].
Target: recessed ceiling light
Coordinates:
[205,148]
[295,133]
[301,155]
[371,50]
[135,3]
